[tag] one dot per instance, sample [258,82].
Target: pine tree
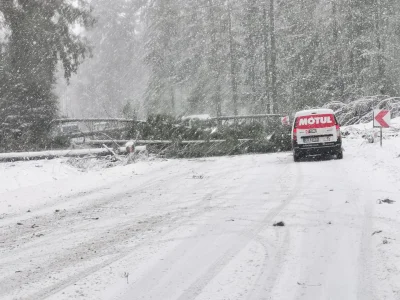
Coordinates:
[40,37]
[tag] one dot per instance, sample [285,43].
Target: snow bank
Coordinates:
[14,156]
[361,110]
[16,175]
[36,184]
[366,129]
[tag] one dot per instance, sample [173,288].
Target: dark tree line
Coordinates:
[248,56]
[227,57]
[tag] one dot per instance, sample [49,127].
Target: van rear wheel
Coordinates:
[296,156]
[339,155]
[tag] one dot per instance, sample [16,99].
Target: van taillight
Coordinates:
[294,134]
[338,130]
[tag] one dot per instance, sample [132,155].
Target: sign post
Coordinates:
[381,120]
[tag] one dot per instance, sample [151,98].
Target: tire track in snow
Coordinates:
[365,284]
[94,202]
[366,289]
[179,217]
[73,257]
[202,208]
[250,234]
[64,220]
[274,253]
[90,199]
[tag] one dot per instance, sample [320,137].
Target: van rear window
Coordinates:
[315,121]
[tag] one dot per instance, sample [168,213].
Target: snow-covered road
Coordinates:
[203,229]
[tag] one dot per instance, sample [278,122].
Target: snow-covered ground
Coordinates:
[203,228]
[367,129]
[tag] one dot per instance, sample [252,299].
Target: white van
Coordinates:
[314,132]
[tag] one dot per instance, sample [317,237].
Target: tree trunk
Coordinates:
[214,62]
[335,38]
[233,65]
[253,85]
[337,59]
[217,98]
[273,57]
[173,105]
[378,20]
[265,103]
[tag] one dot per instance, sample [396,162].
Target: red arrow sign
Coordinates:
[382,118]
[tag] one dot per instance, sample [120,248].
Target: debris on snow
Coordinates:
[387,200]
[279,224]
[376,232]
[126,275]
[304,284]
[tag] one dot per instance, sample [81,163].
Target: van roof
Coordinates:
[314,112]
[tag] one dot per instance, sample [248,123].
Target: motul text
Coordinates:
[316,121]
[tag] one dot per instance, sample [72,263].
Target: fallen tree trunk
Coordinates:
[18,156]
[112,152]
[160,142]
[123,142]
[91,133]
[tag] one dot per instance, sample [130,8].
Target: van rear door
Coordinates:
[316,129]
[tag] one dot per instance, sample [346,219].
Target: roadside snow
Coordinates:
[366,129]
[17,175]
[44,183]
